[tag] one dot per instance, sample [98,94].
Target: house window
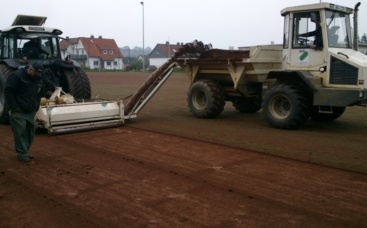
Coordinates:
[115,63]
[108,63]
[95,63]
[111,51]
[104,51]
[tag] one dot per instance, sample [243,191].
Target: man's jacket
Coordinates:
[22,92]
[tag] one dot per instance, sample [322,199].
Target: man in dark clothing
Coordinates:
[33,49]
[23,94]
[317,43]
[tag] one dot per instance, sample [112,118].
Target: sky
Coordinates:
[224,24]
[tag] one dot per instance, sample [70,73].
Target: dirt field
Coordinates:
[169,169]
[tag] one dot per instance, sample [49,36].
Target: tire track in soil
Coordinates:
[140,178]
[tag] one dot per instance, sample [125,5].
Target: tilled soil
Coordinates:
[169,169]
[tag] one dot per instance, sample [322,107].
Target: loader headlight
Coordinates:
[360,82]
[361,94]
[322,69]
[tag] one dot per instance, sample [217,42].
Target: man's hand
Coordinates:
[313,46]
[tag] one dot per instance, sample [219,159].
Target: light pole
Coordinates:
[142,3]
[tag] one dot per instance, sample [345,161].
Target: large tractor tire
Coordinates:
[206,99]
[4,110]
[76,83]
[247,105]
[335,113]
[286,106]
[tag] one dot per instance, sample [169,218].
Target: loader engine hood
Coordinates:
[348,67]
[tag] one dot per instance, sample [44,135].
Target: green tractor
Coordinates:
[27,41]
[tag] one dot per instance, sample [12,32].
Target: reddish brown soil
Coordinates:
[169,169]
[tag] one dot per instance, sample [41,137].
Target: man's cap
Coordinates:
[38,69]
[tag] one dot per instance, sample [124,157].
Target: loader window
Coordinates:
[338,31]
[286,32]
[307,32]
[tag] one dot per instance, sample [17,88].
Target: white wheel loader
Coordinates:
[316,73]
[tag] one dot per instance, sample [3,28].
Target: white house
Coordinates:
[93,52]
[163,52]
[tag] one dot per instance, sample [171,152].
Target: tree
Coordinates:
[136,65]
[364,39]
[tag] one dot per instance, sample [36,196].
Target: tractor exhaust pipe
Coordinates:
[355,21]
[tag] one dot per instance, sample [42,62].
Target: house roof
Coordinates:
[95,47]
[167,50]
[170,49]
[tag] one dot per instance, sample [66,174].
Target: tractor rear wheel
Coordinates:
[5,71]
[206,99]
[286,106]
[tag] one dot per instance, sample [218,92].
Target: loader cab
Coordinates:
[310,31]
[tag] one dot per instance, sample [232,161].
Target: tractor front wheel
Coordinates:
[76,83]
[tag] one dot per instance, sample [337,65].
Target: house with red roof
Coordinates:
[162,53]
[93,53]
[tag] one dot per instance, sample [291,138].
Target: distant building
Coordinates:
[94,53]
[161,53]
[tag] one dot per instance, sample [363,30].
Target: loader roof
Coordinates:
[318,6]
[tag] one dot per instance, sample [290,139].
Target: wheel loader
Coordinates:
[58,72]
[315,74]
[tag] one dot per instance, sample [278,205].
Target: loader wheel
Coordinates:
[5,71]
[335,113]
[206,99]
[286,106]
[76,83]
[247,105]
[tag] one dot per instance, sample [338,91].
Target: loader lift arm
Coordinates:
[151,85]
[146,91]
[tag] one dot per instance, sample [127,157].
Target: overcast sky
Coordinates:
[222,23]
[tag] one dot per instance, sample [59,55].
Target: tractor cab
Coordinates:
[27,39]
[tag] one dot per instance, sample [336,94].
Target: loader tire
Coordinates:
[286,106]
[327,117]
[206,99]
[76,83]
[5,71]
[247,105]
